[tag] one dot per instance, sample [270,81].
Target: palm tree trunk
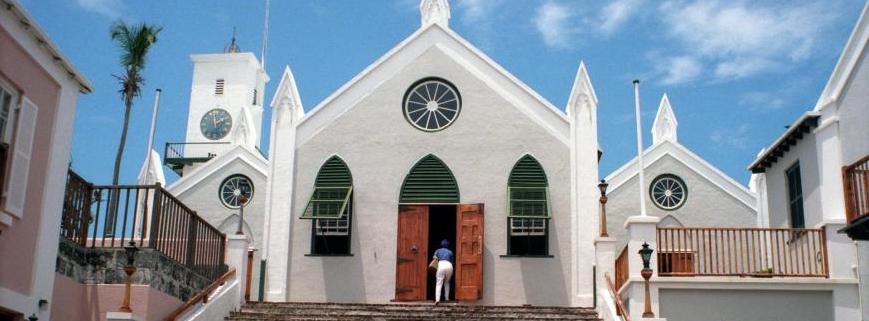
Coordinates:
[114,196]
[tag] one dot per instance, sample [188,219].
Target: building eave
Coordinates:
[29,25]
[783,143]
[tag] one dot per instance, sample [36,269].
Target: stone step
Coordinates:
[292,311]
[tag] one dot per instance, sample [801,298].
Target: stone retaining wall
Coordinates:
[106,266]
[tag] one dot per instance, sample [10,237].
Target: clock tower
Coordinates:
[226,106]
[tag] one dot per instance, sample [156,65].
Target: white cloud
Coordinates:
[739,40]
[677,70]
[553,22]
[109,8]
[477,10]
[615,14]
[762,100]
[732,137]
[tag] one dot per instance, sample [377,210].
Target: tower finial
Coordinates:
[665,126]
[233,46]
[435,11]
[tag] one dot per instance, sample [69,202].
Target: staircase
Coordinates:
[405,312]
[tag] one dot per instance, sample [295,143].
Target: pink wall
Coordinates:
[75,301]
[18,243]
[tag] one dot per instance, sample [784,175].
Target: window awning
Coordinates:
[328,203]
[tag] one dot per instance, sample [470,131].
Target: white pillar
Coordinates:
[605,261]
[286,111]
[830,169]
[236,258]
[641,229]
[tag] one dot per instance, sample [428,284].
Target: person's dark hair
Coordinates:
[445,244]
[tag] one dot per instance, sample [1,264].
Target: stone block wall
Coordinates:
[106,266]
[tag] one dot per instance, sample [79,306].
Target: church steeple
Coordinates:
[435,11]
[665,124]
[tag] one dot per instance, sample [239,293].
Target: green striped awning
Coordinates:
[333,189]
[429,181]
[528,190]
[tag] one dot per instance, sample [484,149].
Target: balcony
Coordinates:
[737,252]
[104,218]
[179,155]
[855,178]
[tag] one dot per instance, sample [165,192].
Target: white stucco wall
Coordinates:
[707,204]
[854,114]
[777,191]
[480,148]
[745,305]
[203,198]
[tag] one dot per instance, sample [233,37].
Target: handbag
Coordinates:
[433,266]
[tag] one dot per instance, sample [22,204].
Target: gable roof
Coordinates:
[433,35]
[848,61]
[240,153]
[702,168]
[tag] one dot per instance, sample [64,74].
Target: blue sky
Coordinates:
[736,72]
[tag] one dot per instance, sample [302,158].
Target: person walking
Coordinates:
[444,273]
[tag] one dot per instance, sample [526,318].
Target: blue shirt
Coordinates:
[444,254]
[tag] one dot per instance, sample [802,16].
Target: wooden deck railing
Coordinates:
[855,178]
[620,308]
[148,216]
[201,296]
[621,268]
[758,252]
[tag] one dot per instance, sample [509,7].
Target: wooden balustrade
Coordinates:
[148,216]
[855,178]
[758,252]
[620,308]
[622,269]
[201,296]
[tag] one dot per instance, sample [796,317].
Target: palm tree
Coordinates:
[134,42]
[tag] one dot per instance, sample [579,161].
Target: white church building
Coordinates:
[357,191]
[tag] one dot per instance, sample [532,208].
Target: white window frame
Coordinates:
[14,102]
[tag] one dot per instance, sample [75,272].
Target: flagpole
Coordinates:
[640,164]
[265,36]
[153,127]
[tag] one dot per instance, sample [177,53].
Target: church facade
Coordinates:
[364,185]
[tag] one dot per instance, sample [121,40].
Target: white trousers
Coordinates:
[444,274]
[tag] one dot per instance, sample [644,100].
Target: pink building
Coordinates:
[39,88]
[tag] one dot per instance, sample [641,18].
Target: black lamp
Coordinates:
[602,186]
[32,317]
[130,251]
[646,254]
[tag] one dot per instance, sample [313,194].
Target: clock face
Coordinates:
[432,104]
[215,124]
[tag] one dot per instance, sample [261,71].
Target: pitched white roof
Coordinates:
[702,168]
[434,35]
[240,153]
[848,61]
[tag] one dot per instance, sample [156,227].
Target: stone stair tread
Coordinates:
[323,311]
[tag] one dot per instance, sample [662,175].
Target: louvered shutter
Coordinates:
[332,190]
[430,181]
[527,189]
[16,189]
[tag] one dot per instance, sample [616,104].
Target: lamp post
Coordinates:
[242,201]
[130,252]
[602,186]
[646,254]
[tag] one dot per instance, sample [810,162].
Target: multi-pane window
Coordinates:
[6,102]
[330,209]
[528,209]
[795,196]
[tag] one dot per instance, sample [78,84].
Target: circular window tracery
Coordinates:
[233,187]
[432,104]
[668,191]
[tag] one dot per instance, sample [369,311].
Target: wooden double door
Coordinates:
[413,252]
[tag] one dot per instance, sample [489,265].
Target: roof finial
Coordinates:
[435,11]
[665,126]
[233,46]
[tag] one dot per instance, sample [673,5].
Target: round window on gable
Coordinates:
[432,104]
[668,192]
[233,187]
